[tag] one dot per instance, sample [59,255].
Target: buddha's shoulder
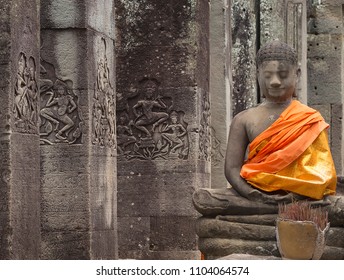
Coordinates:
[250,113]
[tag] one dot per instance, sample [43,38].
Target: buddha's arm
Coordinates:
[235,156]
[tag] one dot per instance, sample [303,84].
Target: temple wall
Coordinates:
[325,69]
[164,136]
[19,138]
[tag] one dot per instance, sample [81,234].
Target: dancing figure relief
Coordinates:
[57,108]
[148,127]
[25,99]
[104,126]
[60,116]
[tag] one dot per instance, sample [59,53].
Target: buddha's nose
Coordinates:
[275,82]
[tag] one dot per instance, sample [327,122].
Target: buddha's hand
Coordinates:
[258,196]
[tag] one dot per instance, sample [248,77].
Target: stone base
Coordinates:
[236,235]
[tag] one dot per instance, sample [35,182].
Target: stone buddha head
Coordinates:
[277,71]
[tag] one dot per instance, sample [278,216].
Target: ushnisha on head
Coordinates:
[276,50]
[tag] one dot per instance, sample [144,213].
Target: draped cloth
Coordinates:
[293,155]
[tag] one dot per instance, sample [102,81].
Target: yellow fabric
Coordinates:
[306,169]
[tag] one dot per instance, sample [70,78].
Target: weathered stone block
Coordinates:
[63,14]
[172,233]
[321,70]
[168,195]
[328,18]
[324,45]
[322,92]
[5,233]
[324,84]
[272,21]
[65,221]
[170,65]
[64,52]
[104,244]
[212,228]
[333,253]
[101,17]
[138,22]
[133,234]
[330,3]
[67,197]
[65,245]
[65,158]
[335,237]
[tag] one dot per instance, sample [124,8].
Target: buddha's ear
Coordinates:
[298,75]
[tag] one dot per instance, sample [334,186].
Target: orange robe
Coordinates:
[293,155]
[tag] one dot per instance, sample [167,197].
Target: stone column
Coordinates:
[244,48]
[271,21]
[19,135]
[220,87]
[78,152]
[163,129]
[326,67]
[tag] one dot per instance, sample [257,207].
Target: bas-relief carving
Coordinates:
[60,116]
[25,96]
[148,126]
[217,151]
[103,112]
[204,129]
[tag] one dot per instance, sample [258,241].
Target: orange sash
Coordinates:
[293,155]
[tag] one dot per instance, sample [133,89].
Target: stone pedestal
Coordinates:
[163,118]
[233,225]
[19,136]
[78,137]
[254,235]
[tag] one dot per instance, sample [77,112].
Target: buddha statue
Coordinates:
[277,151]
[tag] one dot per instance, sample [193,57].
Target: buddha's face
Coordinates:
[277,80]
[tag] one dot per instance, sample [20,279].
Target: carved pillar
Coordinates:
[78,137]
[326,67]
[163,130]
[220,83]
[19,138]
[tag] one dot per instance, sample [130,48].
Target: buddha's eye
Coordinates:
[267,75]
[283,74]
